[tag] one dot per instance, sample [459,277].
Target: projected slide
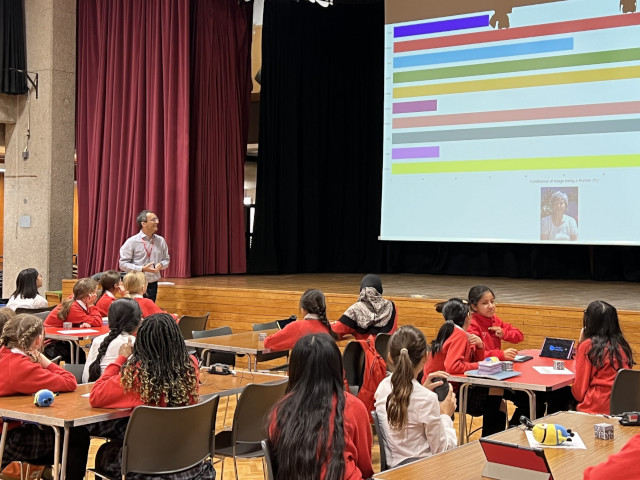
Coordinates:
[512,121]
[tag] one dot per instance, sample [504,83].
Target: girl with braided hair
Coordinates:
[25,370]
[415,423]
[125,316]
[314,311]
[157,370]
[318,430]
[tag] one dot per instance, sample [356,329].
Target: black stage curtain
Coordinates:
[320,158]
[13,50]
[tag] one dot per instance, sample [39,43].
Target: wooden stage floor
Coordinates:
[562,293]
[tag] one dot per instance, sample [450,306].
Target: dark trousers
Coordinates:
[152,291]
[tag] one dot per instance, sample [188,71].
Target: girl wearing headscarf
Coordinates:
[370,315]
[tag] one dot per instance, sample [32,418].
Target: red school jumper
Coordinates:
[492,344]
[77,315]
[618,465]
[286,338]
[103,304]
[592,386]
[148,306]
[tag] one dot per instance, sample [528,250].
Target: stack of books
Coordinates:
[489,367]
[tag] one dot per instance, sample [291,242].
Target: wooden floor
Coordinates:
[563,293]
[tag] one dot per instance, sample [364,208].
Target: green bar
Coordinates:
[514,164]
[559,61]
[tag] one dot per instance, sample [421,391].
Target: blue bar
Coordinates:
[482,53]
[441,26]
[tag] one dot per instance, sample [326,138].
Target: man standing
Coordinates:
[146,252]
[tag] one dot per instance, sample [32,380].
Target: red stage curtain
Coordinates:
[221,91]
[133,126]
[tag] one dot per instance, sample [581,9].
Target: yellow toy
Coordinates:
[551,434]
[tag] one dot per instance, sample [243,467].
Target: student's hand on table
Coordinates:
[510,354]
[126,349]
[430,384]
[497,331]
[448,405]
[85,325]
[475,340]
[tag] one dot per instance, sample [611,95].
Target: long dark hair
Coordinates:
[601,325]
[455,312]
[26,284]
[124,316]
[160,368]
[313,302]
[300,440]
[108,280]
[407,348]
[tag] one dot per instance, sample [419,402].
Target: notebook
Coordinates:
[509,461]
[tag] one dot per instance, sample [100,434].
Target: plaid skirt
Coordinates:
[29,443]
[109,460]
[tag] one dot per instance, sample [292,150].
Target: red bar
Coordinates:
[599,23]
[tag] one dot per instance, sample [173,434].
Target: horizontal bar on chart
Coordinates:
[514,164]
[556,28]
[524,65]
[415,152]
[539,80]
[520,114]
[519,131]
[439,26]
[419,106]
[484,53]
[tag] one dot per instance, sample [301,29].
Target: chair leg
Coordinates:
[235,466]
[264,468]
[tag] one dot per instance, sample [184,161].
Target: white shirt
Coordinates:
[568,228]
[427,431]
[109,356]
[140,250]
[20,302]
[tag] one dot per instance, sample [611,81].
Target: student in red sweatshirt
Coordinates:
[602,351]
[319,428]
[135,283]
[314,311]
[619,465]
[80,311]
[110,285]
[25,371]
[156,370]
[455,351]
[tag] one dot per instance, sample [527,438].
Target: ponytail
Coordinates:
[455,312]
[443,334]
[407,348]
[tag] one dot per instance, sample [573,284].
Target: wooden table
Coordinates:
[72,409]
[467,462]
[74,336]
[530,381]
[247,343]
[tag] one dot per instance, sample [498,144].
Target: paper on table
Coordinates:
[76,331]
[576,442]
[552,371]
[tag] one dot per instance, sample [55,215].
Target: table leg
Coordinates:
[463,394]
[65,453]
[3,439]
[56,454]
[532,404]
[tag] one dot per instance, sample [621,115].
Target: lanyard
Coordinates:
[148,250]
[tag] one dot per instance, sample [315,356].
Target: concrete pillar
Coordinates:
[38,195]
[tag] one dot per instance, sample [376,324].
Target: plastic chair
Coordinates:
[268,459]
[33,311]
[382,441]
[77,369]
[214,356]
[353,361]
[625,394]
[42,315]
[265,357]
[165,440]
[188,324]
[249,423]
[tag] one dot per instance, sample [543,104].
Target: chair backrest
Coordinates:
[76,368]
[33,311]
[264,326]
[213,356]
[382,345]
[353,361]
[214,332]
[163,440]
[256,400]
[268,460]
[188,324]
[625,394]
[382,441]
[42,315]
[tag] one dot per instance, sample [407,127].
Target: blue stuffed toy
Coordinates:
[43,398]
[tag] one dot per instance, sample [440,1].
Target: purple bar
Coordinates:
[415,152]
[450,25]
[420,106]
